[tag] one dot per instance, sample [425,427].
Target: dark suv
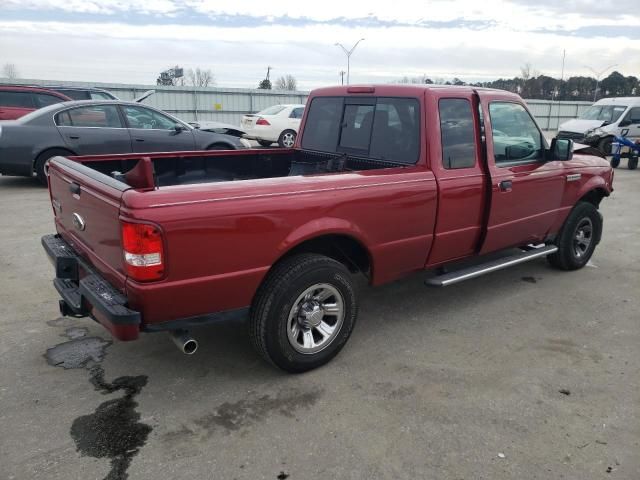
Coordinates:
[83,93]
[16,101]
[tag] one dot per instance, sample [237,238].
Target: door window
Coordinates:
[516,138]
[16,99]
[96,116]
[296,112]
[457,133]
[44,99]
[634,116]
[141,117]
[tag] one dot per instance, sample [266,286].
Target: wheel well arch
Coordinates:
[594,196]
[344,248]
[48,149]
[227,146]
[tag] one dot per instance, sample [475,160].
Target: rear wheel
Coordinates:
[304,312]
[287,139]
[42,162]
[615,162]
[578,238]
[633,163]
[265,143]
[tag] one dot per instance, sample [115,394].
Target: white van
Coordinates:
[604,119]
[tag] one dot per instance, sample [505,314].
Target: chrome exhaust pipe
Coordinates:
[184,341]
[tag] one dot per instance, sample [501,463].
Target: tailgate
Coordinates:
[86,204]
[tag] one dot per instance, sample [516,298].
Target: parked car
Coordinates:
[279,123]
[86,127]
[383,181]
[603,121]
[16,101]
[83,93]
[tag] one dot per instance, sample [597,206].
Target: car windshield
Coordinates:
[606,113]
[271,110]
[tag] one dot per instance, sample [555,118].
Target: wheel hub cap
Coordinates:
[315,318]
[583,237]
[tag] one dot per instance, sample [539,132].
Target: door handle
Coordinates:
[74,137]
[139,139]
[505,185]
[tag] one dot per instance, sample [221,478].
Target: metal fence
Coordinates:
[229,104]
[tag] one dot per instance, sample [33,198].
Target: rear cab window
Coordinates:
[457,133]
[380,128]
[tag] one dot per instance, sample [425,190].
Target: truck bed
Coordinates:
[186,168]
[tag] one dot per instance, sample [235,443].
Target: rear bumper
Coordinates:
[85,293]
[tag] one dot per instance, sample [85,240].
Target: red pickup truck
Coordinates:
[383,181]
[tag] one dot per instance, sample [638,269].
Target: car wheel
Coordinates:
[604,145]
[42,161]
[578,238]
[304,312]
[265,143]
[287,139]
[632,163]
[615,162]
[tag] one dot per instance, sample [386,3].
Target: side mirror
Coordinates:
[561,149]
[179,128]
[519,151]
[624,123]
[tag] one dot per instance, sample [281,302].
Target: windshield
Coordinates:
[606,113]
[271,110]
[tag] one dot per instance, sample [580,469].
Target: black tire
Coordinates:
[615,162]
[269,320]
[265,143]
[287,139]
[572,253]
[632,163]
[604,145]
[42,160]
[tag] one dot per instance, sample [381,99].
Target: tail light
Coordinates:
[262,121]
[143,251]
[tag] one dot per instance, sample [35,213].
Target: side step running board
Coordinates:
[477,270]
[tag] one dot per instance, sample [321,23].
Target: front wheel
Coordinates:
[605,145]
[287,139]
[304,312]
[578,238]
[615,161]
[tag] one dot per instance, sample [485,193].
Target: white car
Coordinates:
[279,123]
[603,120]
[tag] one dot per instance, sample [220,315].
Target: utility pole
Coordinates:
[341,73]
[598,75]
[348,54]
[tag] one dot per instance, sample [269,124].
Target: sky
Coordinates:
[127,41]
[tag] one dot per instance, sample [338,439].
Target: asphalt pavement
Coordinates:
[527,373]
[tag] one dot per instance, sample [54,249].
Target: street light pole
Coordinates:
[348,54]
[598,75]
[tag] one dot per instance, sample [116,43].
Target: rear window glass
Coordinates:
[271,110]
[458,136]
[75,94]
[16,99]
[385,128]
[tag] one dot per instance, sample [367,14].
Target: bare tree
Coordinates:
[287,83]
[200,77]
[10,71]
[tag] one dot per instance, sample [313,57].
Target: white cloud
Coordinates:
[114,47]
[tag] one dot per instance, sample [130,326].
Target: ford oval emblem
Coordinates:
[78,221]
